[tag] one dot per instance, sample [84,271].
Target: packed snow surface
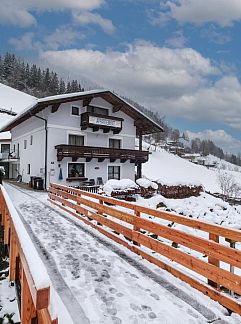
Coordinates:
[100,282]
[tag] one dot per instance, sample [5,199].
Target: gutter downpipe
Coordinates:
[46,146]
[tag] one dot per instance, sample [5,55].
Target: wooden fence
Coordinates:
[102,213]
[34,302]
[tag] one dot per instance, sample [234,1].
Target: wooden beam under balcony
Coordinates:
[100,153]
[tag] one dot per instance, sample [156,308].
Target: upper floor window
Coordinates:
[114,143]
[31,140]
[75,111]
[98,110]
[25,144]
[76,140]
[5,148]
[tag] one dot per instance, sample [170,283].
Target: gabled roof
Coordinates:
[143,123]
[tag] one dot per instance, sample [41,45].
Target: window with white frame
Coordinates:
[114,172]
[76,140]
[25,144]
[76,170]
[31,140]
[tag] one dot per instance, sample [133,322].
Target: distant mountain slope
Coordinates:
[172,169]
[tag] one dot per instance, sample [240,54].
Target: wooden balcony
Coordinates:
[97,122]
[100,153]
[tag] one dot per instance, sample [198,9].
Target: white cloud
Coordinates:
[142,69]
[175,82]
[86,17]
[178,40]
[20,13]
[61,37]
[219,137]
[221,12]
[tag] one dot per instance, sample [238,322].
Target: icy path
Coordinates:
[101,282]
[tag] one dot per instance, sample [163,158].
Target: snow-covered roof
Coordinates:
[143,123]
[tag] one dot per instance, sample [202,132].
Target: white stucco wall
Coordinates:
[60,125]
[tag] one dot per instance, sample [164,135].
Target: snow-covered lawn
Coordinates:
[171,169]
[101,282]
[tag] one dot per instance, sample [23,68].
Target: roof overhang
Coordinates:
[143,123]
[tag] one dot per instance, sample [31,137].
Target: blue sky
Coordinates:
[178,57]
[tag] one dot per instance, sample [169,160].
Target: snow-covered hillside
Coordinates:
[15,100]
[168,168]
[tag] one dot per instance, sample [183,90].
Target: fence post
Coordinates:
[12,256]
[214,261]
[136,227]
[28,311]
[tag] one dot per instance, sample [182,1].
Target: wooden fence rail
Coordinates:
[34,302]
[113,217]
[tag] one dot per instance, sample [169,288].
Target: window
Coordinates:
[76,140]
[18,151]
[25,144]
[5,148]
[75,111]
[113,172]
[115,143]
[14,148]
[98,110]
[28,169]
[76,170]
[31,140]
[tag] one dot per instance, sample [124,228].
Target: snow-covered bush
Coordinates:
[120,185]
[145,183]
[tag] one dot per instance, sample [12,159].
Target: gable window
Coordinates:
[75,111]
[28,169]
[25,144]
[31,140]
[98,110]
[114,143]
[76,140]
[76,170]
[113,172]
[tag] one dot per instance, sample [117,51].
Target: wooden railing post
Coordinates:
[136,228]
[28,311]
[214,261]
[12,256]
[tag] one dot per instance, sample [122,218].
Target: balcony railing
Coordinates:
[100,153]
[97,121]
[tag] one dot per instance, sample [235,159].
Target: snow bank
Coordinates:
[170,169]
[123,184]
[145,183]
[36,266]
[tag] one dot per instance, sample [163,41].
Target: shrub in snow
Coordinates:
[118,185]
[145,183]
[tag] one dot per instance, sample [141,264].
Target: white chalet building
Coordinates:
[76,137]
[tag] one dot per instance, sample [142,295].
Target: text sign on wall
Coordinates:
[104,121]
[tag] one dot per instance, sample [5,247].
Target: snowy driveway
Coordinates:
[100,282]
